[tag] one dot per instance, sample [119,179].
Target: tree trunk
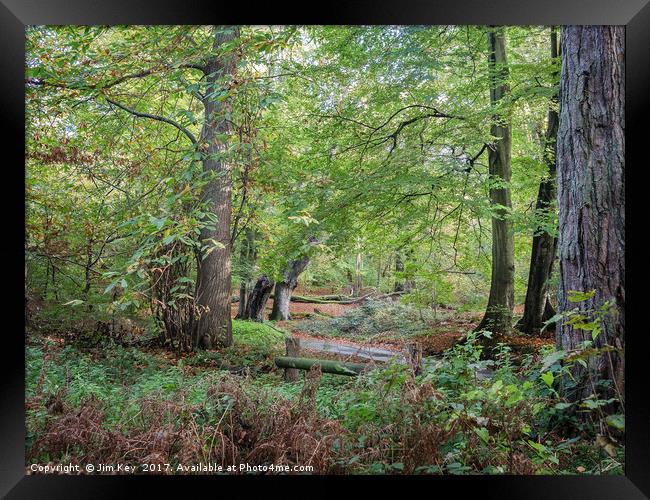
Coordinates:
[409,283]
[414,358]
[356,287]
[213,288]
[284,288]
[591,193]
[293,350]
[256,302]
[399,269]
[247,257]
[498,315]
[87,275]
[537,307]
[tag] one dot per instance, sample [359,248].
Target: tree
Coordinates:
[214,277]
[537,306]
[284,288]
[247,260]
[256,301]
[498,315]
[591,194]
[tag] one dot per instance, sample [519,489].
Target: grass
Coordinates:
[126,405]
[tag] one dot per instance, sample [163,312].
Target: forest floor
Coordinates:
[108,400]
[438,332]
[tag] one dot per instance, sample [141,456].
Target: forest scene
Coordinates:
[325,250]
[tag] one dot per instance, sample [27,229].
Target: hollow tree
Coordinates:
[256,301]
[285,287]
[214,274]
[498,314]
[591,194]
[537,306]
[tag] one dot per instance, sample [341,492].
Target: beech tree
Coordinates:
[214,276]
[537,305]
[498,315]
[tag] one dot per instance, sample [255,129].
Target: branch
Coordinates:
[163,119]
[476,156]
[117,81]
[436,113]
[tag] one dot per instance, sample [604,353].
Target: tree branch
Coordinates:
[159,118]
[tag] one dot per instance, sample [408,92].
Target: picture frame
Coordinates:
[15,15]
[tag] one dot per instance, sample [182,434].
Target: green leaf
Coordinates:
[576,296]
[551,359]
[483,433]
[552,320]
[158,223]
[617,421]
[548,378]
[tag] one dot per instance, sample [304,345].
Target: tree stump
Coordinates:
[414,358]
[293,350]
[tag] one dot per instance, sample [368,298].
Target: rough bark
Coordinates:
[537,308]
[591,193]
[293,350]
[284,289]
[214,276]
[498,314]
[257,299]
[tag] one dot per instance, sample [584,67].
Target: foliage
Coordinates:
[362,136]
[362,148]
[443,421]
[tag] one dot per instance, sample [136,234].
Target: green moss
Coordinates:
[257,334]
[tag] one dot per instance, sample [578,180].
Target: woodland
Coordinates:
[325,249]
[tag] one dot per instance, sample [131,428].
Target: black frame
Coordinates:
[16,14]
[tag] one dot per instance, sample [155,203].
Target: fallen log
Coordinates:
[317,299]
[328,299]
[320,300]
[326,365]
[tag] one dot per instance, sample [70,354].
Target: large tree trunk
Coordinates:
[537,308]
[591,193]
[284,289]
[498,314]
[256,302]
[213,290]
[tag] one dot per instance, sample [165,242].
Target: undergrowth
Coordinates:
[134,407]
[375,319]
